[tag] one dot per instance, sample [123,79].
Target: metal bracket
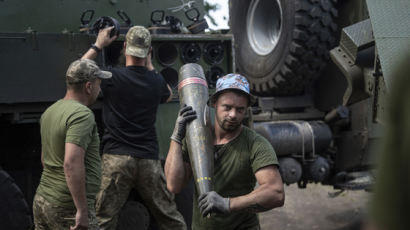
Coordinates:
[34,40]
[353,74]
[354,39]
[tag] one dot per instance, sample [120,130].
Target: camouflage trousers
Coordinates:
[52,217]
[120,174]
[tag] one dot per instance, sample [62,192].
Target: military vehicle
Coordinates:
[319,70]
[43,38]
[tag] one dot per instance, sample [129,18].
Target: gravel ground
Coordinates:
[314,208]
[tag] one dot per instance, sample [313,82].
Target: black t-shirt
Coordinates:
[131,99]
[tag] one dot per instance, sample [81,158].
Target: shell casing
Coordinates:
[193,91]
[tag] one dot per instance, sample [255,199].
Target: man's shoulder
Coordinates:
[245,139]
[68,108]
[116,70]
[260,149]
[132,72]
[76,107]
[250,133]
[67,104]
[65,112]
[253,137]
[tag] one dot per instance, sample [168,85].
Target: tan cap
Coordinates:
[138,42]
[84,70]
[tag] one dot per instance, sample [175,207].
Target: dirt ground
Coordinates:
[315,208]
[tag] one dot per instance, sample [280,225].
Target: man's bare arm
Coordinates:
[270,193]
[177,171]
[74,171]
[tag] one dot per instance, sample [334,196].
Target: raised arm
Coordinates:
[74,171]
[103,40]
[177,171]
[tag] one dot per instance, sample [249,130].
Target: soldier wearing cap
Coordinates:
[130,147]
[65,197]
[242,157]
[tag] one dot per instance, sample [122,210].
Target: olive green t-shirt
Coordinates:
[234,175]
[68,121]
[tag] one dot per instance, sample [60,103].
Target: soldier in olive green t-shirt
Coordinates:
[242,158]
[68,121]
[70,155]
[234,175]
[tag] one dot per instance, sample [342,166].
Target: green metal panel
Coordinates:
[46,56]
[33,65]
[167,113]
[391,28]
[227,64]
[37,73]
[166,116]
[59,15]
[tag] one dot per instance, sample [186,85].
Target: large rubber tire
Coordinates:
[14,212]
[304,32]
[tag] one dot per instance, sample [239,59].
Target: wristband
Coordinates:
[94,47]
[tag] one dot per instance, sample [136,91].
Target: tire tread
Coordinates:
[308,53]
[14,211]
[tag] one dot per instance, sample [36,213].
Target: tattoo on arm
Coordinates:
[254,208]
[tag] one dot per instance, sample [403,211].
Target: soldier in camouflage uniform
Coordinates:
[70,155]
[130,147]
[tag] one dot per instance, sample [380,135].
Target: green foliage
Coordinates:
[208,7]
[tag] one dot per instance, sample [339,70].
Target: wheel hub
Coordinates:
[264,23]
